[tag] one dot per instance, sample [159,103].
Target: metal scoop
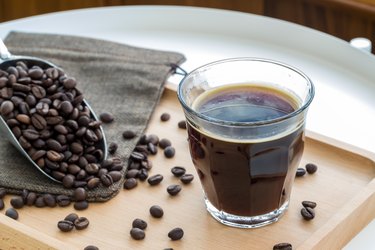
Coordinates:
[6,60]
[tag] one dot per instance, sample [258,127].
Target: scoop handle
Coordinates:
[4,53]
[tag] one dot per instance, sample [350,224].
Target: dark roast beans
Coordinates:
[49,200]
[283,246]
[81,223]
[143,174]
[112,148]
[173,189]
[39,202]
[187,178]
[137,233]
[17,202]
[106,180]
[139,223]
[307,213]
[163,143]
[130,183]
[65,225]
[81,205]
[165,117]
[300,172]
[93,183]
[152,148]
[63,200]
[12,213]
[80,194]
[91,247]
[106,117]
[71,217]
[155,179]
[311,168]
[182,124]
[176,233]
[154,139]
[178,171]
[169,152]
[6,108]
[156,211]
[128,134]
[309,204]
[31,198]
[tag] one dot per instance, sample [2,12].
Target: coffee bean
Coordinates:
[155,179]
[39,202]
[176,233]
[81,223]
[6,108]
[311,168]
[165,117]
[93,183]
[178,171]
[17,202]
[156,211]
[143,174]
[81,205]
[116,175]
[39,92]
[130,183]
[282,246]
[68,181]
[139,223]
[80,194]
[35,72]
[128,134]
[152,149]
[307,213]
[54,156]
[182,124]
[3,192]
[63,200]
[25,119]
[38,121]
[70,83]
[66,107]
[91,247]
[106,117]
[2,205]
[112,147]
[106,180]
[30,134]
[65,225]
[309,204]
[169,152]
[187,178]
[173,189]
[71,217]
[49,200]
[137,156]
[92,168]
[300,172]
[137,234]
[12,213]
[163,143]
[154,139]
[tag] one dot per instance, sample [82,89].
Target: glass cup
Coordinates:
[245,122]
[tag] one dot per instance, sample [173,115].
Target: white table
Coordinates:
[344,106]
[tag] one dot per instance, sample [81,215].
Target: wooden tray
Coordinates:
[343,187]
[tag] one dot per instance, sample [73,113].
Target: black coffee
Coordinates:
[243,177]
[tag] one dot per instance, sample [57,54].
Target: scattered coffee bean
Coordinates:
[139,223]
[71,217]
[81,223]
[12,213]
[307,213]
[165,117]
[156,211]
[154,139]
[49,200]
[309,204]
[112,148]
[80,194]
[81,205]
[91,247]
[143,174]
[182,124]
[130,183]
[17,202]
[187,178]
[178,171]
[300,172]
[282,246]
[3,192]
[163,143]
[176,233]
[2,205]
[65,225]
[137,234]
[169,152]
[39,202]
[128,134]
[311,168]
[155,179]
[173,189]
[106,179]
[63,200]
[106,117]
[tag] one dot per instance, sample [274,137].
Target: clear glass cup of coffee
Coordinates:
[246,121]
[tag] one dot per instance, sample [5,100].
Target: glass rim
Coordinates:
[306,104]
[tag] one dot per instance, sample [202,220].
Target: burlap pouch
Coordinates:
[124,80]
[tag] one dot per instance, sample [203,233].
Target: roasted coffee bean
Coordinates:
[106,180]
[30,134]
[65,225]
[283,246]
[25,119]
[169,152]
[93,183]
[66,107]
[38,91]
[31,198]
[71,217]
[143,174]
[176,233]
[130,183]
[81,223]
[70,83]
[187,178]
[35,72]
[80,194]
[309,204]
[2,205]
[38,154]
[163,143]
[154,139]
[91,247]
[17,202]
[165,117]
[307,213]
[38,121]
[182,124]
[132,173]
[106,117]
[21,87]
[63,200]
[68,181]
[42,108]
[137,234]
[12,213]
[49,200]
[311,168]
[137,156]
[6,108]
[54,156]
[156,211]
[39,202]
[152,149]
[112,148]
[92,168]
[3,192]
[178,171]
[128,134]
[300,172]
[139,223]
[81,205]
[155,179]
[173,189]
[116,175]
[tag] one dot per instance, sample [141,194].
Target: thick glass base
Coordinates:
[245,221]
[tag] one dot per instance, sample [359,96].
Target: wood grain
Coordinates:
[343,187]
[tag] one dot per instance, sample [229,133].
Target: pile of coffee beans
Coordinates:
[48,116]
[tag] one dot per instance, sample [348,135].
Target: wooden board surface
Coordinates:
[343,187]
